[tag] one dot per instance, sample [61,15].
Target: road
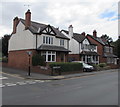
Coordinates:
[99,89]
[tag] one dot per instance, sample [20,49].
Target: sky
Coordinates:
[84,15]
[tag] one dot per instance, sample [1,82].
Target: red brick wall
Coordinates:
[59,55]
[99,50]
[76,57]
[113,66]
[19,59]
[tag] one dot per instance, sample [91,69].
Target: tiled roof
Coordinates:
[98,39]
[109,55]
[89,53]
[79,37]
[53,48]
[35,26]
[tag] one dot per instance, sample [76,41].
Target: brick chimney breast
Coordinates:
[15,23]
[95,33]
[27,19]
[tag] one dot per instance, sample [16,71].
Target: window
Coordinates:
[106,49]
[49,56]
[43,39]
[93,47]
[111,50]
[47,40]
[61,42]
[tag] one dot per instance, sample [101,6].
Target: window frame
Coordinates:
[47,40]
[62,42]
[47,54]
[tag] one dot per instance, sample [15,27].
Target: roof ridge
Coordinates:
[34,22]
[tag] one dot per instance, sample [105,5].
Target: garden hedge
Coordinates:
[67,66]
[37,59]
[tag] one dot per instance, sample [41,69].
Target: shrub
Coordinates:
[102,65]
[37,59]
[67,66]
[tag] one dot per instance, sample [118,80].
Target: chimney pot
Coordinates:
[83,33]
[70,26]
[95,33]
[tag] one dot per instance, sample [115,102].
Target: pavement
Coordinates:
[38,76]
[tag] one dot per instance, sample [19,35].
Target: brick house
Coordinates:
[105,49]
[81,47]
[40,38]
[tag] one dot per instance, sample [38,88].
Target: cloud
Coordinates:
[84,16]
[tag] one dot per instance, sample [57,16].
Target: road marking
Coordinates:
[31,82]
[39,81]
[1,78]
[24,82]
[1,85]
[58,77]
[10,84]
[13,75]
[21,83]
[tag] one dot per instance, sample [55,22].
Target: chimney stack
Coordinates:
[15,23]
[70,29]
[95,33]
[27,19]
[83,33]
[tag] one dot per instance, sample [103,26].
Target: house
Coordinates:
[81,47]
[105,49]
[35,37]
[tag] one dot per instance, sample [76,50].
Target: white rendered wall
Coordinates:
[56,41]
[22,39]
[73,44]
[85,41]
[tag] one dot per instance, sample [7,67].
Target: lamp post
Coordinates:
[29,53]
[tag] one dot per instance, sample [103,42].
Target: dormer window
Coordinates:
[47,40]
[61,42]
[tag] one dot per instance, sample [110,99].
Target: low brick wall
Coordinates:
[113,66]
[41,69]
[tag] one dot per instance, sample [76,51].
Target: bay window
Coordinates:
[49,56]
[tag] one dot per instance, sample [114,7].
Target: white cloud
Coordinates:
[5,30]
[84,16]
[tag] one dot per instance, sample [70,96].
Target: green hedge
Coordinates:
[4,59]
[37,59]
[102,65]
[67,66]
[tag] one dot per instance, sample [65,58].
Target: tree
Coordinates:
[107,38]
[5,40]
[116,45]
[118,48]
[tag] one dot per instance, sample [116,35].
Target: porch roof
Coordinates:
[110,55]
[89,53]
[53,48]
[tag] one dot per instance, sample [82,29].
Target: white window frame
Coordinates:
[62,42]
[51,53]
[48,40]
